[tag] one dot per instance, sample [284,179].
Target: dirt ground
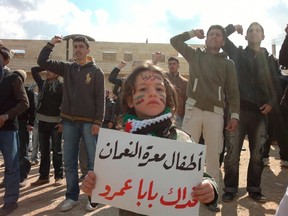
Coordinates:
[46,200]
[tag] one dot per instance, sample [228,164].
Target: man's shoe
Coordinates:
[257,196]
[266,161]
[23,183]
[8,208]
[284,163]
[213,207]
[34,162]
[228,196]
[91,206]
[40,182]
[68,204]
[58,182]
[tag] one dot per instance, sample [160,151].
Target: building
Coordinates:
[106,54]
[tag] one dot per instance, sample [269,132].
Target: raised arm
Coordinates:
[45,62]
[113,77]
[36,76]
[178,42]
[229,47]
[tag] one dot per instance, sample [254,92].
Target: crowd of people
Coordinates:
[230,93]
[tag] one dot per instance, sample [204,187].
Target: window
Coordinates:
[128,56]
[161,59]
[109,56]
[17,53]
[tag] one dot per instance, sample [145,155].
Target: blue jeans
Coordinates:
[73,132]
[278,126]
[255,126]
[9,147]
[46,132]
[35,142]
[83,158]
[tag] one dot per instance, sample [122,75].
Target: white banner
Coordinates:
[147,175]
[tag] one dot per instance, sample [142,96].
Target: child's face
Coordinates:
[149,98]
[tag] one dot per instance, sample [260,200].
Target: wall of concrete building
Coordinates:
[106,55]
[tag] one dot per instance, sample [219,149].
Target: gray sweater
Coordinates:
[83,90]
[211,76]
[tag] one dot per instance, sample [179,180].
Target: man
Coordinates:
[82,109]
[26,124]
[257,96]
[49,125]
[211,75]
[283,61]
[117,81]
[109,118]
[13,101]
[180,84]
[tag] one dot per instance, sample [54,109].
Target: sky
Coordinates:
[138,20]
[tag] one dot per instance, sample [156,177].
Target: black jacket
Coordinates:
[256,73]
[28,117]
[117,81]
[283,54]
[50,99]
[13,99]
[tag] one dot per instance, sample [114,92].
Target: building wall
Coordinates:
[106,55]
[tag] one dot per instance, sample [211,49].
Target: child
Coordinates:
[148,94]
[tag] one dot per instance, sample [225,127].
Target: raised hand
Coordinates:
[199,33]
[56,39]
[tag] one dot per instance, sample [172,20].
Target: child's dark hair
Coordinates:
[129,86]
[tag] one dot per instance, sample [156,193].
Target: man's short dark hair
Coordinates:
[81,39]
[217,27]
[173,59]
[255,23]
[5,52]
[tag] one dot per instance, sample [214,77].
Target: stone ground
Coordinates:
[45,200]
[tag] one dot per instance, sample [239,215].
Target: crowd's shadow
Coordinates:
[273,187]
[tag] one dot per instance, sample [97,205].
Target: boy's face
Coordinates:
[214,40]
[254,34]
[149,98]
[80,51]
[173,66]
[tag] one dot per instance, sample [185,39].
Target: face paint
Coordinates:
[139,99]
[149,98]
[151,77]
[163,97]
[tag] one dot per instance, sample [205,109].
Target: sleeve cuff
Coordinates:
[235,116]
[97,122]
[191,33]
